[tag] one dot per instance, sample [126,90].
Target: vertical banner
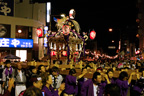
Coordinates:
[48,11]
[7,7]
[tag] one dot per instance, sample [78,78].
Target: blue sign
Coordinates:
[45,42]
[7,7]
[16,43]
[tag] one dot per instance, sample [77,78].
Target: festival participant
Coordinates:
[36,82]
[47,68]
[138,88]
[41,69]
[56,78]
[123,82]
[114,69]
[120,65]
[81,81]
[94,87]
[126,69]
[112,90]
[20,79]
[71,88]
[48,90]
[7,74]
[99,69]
[110,76]
[32,71]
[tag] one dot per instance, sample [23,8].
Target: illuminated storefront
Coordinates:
[19,46]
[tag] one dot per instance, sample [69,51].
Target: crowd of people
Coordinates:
[46,81]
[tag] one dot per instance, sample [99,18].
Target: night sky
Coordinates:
[100,15]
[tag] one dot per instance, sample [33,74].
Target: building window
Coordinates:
[22,54]
[23,32]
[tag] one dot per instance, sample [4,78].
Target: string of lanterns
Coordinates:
[99,55]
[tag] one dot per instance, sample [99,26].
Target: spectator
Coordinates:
[7,74]
[20,79]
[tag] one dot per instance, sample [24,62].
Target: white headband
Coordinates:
[39,78]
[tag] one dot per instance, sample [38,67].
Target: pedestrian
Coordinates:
[8,73]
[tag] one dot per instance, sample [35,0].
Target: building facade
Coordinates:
[140,22]
[22,24]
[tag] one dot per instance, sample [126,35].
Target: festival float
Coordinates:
[66,45]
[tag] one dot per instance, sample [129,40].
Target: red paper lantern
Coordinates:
[64,53]
[39,32]
[53,53]
[76,53]
[92,35]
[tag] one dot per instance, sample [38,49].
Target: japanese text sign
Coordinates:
[16,43]
[7,7]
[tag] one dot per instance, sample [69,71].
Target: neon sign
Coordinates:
[16,43]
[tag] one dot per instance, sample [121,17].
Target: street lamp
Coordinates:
[110,29]
[19,31]
[112,41]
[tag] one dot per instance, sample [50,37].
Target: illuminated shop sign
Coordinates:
[45,42]
[16,43]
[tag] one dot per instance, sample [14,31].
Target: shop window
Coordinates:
[24,32]
[22,54]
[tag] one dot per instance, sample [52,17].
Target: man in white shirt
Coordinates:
[20,80]
[94,87]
